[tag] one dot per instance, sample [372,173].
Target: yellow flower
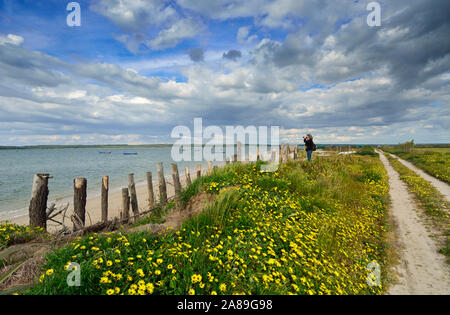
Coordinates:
[223,287]
[110,292]
[49,272]
[191,292]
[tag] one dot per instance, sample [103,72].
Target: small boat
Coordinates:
[129,153]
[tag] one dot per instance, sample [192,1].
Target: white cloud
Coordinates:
[11,39]
[179,31]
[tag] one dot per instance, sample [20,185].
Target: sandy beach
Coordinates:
[93,204]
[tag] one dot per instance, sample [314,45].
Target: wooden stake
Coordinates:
[257,153]
[133,196]
[199,170]
[209,168]
[176,180]
[38,203]
[162,184]
[105,189]
[188,176]
[239,151]
[125,214]
[79,202]
[151,195]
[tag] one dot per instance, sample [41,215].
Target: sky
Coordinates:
[135,69]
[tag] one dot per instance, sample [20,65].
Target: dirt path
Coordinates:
[421,269]
[443,187]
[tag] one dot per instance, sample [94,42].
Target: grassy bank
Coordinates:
[309,228]
[434,161]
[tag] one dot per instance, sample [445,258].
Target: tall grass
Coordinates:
[308,228]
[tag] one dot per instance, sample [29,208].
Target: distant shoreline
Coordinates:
[168,145]
[94,146]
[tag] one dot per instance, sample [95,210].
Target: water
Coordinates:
[17,168]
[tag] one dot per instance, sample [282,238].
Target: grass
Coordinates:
[434,161]
[156,216]
[367,150]
[11,234]
[430,200]
[309,228]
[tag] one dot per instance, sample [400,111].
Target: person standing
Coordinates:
[309,145]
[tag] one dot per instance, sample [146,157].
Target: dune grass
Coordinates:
[308,228]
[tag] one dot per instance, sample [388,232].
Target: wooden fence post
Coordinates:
[162,184]
[281,153]
[188,176]
[209,168]
[176,180]
[199,170]
[79,203]
[38,203]
[133,196]
[151,195]
[257,153]
[105,189]
[125,214]
[239,151]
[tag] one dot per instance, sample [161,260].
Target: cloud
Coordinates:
[136,15]
[329,74]
[179,31]
[197,54]
[11,39]
[232,55]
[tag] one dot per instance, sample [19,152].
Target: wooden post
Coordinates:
[227,161]
[105,189]
[38,203]
[125,214]
[235,158]
[151,196]
[176,180]
[239,151]
[257,153]
[295,152]
[281,154]
[79,202]
[162,184]
[209,168]
[188,176]
[133,196]
[199,170]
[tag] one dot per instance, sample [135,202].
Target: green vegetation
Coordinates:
[309,228]
[11,234]
[367,150]
[434,161]
[434,204]
[156,216]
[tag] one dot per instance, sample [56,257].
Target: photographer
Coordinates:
[309,145]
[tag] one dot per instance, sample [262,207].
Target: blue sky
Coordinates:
[135,69]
